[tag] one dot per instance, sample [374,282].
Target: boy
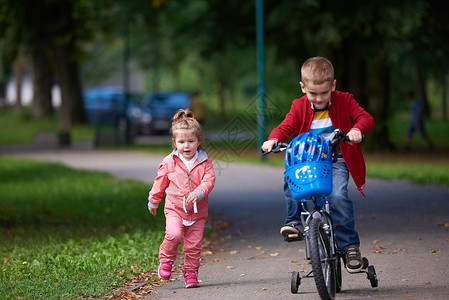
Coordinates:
[321,110]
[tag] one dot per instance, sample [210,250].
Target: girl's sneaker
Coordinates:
[164,270]
[191,278]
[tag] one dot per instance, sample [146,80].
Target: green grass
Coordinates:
[68,233]
[19,128]
[421,168]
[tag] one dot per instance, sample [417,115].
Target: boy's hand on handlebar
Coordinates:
[355,136]
[267,146]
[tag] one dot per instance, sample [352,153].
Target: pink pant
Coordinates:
[175,233]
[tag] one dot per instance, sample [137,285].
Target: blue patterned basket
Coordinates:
[310,178]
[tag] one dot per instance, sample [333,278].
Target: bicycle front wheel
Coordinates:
[323,263]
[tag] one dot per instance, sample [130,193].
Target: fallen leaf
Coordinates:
[274,254]
[418,238]
[264,289]
[408,296]
[437,251]
[446,225]
[215,260]
[404,279]
[427,282]
[234,252]
[242,275]
[294,261]
[375,241]
[206,253]
[398,250]
[383,247]
[447,240]
[375,250]
[230,267]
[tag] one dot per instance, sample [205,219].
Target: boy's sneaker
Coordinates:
[164,270]
[191,278]
[353,258]
[292,231]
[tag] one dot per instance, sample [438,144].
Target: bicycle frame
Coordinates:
[321,248]
[322,213]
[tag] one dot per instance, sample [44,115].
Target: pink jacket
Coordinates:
[345,114]
[174,178]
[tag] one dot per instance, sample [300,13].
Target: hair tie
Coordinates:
[185,119]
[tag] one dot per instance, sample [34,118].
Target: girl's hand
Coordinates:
[152,211]
[192,197]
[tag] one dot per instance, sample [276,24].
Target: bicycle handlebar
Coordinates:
[334,144]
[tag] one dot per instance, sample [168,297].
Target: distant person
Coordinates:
[321,110]
[187,177]
[198,107]
[416,122]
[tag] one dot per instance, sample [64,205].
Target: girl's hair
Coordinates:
[184,119]
[317,70]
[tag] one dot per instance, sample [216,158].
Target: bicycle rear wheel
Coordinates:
[323,264]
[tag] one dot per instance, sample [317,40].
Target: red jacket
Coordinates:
[177,182]
[345,114]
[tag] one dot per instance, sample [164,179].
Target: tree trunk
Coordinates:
[221,96]
[379,100]
[68,77]
[421,86]
[18,75]
[41,106]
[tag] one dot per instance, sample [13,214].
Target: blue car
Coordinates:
[106,106]
[158,109]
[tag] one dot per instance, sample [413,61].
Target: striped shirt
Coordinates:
[322,124]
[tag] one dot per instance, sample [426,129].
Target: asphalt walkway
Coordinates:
[403,227]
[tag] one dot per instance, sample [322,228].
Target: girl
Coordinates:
[187,177]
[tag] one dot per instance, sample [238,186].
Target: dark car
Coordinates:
[107,106]
[158,109]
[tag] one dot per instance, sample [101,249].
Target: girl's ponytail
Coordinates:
[183,115]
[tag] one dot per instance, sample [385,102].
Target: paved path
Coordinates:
[403,228]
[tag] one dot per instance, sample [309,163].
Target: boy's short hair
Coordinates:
[317,70]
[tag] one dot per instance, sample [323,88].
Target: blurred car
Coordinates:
[158,108]
[106,106]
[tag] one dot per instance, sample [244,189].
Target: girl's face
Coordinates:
[186,143]
[318,94]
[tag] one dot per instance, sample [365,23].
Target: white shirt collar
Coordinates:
[189,163]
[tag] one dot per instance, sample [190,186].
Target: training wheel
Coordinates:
[296,281]
[371,275]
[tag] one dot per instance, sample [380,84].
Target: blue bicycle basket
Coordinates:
[308,166]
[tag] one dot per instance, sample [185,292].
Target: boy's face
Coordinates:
[318,94]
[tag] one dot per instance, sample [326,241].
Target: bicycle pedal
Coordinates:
[293,237]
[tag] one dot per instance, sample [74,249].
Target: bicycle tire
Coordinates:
[323,264]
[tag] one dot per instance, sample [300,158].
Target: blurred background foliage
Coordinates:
[381,50]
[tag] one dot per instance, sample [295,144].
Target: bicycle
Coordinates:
[314,179]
